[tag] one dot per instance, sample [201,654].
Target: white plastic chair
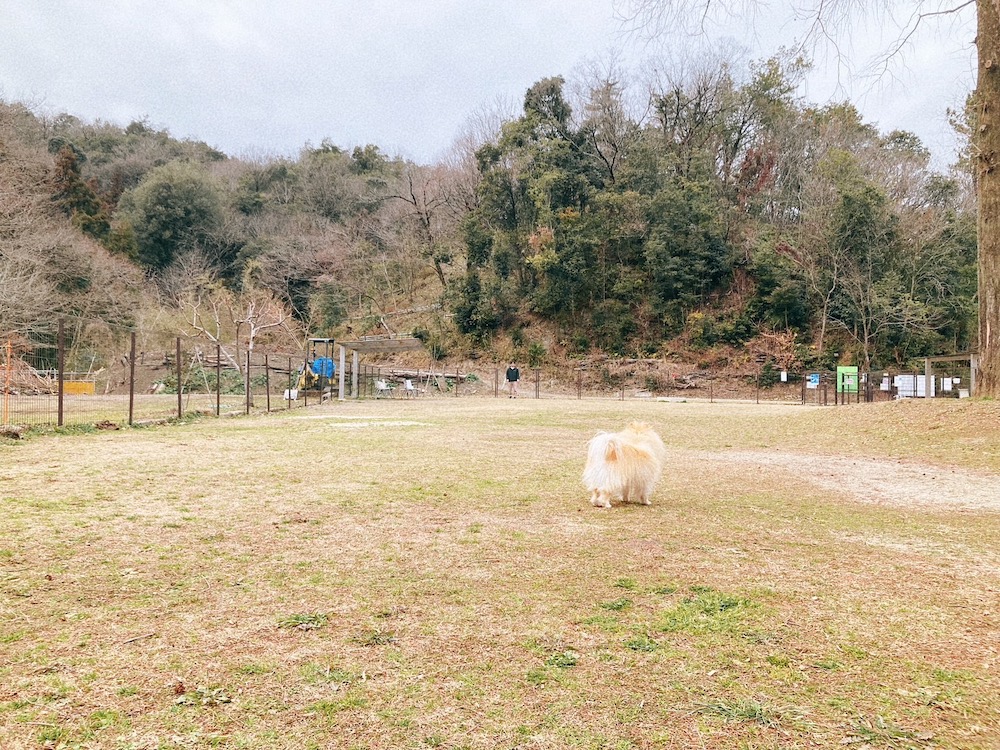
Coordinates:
[408,389]
[382,388]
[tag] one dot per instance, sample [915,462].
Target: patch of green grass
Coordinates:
[50,736]
[951,675]
[75,429]
[304,621]
[855,652]
[538,676]
[105,719]
[606,623]
[617,605]
[12,637]
[332,708]
[708,611]
[629,584]
[563,659]
[881,731]
[376,637]
[742,710]
[642,643]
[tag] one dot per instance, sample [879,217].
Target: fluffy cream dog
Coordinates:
[624,465]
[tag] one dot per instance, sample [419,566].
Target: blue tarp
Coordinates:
[323,367]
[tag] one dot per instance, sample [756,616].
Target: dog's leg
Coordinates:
[599,499]
[631,493]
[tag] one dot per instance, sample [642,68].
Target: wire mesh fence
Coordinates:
[845,386]
[128,385]
[55,383]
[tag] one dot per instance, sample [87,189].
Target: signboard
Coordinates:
[913,386]
[812,381]
[847,380]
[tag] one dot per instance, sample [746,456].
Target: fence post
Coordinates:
[180,388]
[538,374]
[355,366]
[305,377]
[267,382]
[456,382]
[218,380]
[61,363]
[757,397]
[7,384]
[496,382]
[289,382]
[248,383]
[579,384]
[131,380]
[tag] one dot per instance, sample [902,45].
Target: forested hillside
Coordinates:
[706,213]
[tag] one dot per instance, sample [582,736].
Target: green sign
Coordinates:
[847,379]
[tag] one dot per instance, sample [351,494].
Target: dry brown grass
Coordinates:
[396,574]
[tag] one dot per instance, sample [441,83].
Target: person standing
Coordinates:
[513,375]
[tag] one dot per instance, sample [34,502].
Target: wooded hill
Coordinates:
[707,213]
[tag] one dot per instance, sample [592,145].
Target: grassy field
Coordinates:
[420,574]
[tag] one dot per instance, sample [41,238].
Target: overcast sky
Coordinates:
[268,76]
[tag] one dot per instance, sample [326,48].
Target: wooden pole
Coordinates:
[131,380]
[248,384]
[218,379]
[177,357]
[7,383]
[61,363]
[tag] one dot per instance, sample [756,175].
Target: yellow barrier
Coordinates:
[78,388]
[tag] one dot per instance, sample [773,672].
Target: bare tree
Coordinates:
[424,192]
[235,321]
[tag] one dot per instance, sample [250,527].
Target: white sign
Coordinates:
[912,386]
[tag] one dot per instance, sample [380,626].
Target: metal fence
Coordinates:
[187,376]
[130,386]
[626,383]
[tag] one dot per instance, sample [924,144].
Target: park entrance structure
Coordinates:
[371,345]
[969,357]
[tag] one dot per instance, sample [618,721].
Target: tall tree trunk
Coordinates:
[988,194]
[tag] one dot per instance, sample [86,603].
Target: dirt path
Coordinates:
[876,481]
